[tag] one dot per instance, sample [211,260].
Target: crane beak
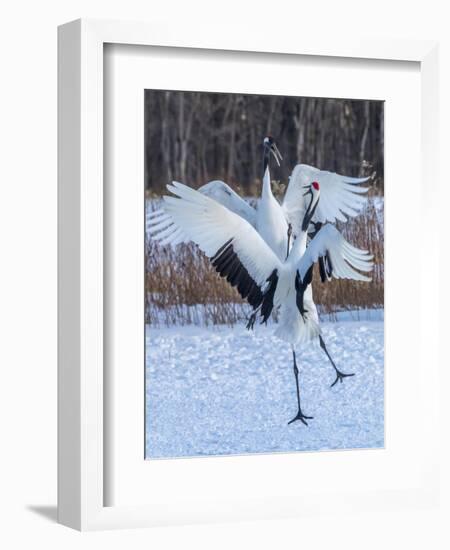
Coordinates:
[276,153]
[308,192]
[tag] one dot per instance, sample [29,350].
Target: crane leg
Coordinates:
[339,375]
[251,320]
[300,416]
[289,233]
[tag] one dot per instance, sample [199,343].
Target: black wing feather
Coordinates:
[267,302]
[300,287]
[227,264]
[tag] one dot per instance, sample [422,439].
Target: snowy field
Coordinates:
[221,390]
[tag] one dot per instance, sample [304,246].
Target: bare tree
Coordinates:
[197,136]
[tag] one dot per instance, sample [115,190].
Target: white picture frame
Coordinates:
[82,484]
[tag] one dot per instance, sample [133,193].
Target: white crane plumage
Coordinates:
[252,249]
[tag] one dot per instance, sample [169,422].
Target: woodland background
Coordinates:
[195,137]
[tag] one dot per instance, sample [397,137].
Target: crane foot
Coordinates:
[300,416]
[340,377]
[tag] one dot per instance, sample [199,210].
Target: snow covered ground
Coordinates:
[221,390]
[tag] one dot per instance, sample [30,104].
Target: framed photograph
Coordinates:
[242,322]
[216,382]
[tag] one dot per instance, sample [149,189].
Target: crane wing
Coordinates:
[217,190]
[337,257]
[223,194]
[234,247]
[339,196]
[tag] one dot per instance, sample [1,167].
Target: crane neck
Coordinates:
[298,248]
[267,187]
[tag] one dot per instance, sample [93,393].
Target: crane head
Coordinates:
[312,189]
[271,147]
